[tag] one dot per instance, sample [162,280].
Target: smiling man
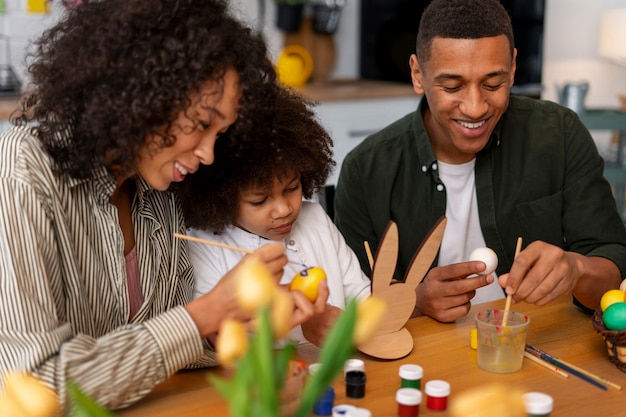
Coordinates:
[497,166]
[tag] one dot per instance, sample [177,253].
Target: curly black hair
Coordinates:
[291,140]
[462,19]
[111,73]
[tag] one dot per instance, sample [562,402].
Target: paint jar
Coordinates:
[408,400]
[437,392]
[358,412]
[341,410]
[353,365]
[314,367]
[355,384]
[324,405]
[538,404]
[411,376]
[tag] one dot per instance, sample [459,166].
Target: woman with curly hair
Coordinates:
[127,97]
[254,196]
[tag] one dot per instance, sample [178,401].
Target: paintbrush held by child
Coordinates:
[250,197]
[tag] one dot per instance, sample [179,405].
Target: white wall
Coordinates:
[571,36]
[572,30]
[21,27]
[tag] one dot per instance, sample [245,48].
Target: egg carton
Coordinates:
[615,341]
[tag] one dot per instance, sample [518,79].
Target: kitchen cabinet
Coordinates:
[352,110]
[351,121]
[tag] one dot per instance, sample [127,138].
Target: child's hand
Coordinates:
[209,310]
[316,328]
[305,309]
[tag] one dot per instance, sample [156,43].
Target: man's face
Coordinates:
[467,84]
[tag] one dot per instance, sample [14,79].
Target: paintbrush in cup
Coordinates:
[507,304]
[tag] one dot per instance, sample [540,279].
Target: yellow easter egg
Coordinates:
[30,396]
[611,297]
[307,281]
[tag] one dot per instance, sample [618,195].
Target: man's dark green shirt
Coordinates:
[540,177]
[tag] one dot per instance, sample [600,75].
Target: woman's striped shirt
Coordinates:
[63,293]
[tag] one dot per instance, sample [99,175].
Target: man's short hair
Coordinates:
[462,19]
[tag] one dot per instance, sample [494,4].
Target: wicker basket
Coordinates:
[615,341]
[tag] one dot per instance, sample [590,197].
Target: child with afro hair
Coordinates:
[253,196]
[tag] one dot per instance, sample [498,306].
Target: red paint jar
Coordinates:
[437,392]
[408,400]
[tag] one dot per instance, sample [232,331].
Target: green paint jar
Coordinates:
[411,376]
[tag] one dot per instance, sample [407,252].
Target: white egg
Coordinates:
[623,285]
[486,255]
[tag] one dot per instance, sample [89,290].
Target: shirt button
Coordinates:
[434,166]
[292,242]
[424,168]
[439,187]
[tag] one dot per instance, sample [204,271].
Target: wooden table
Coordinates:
[443,351]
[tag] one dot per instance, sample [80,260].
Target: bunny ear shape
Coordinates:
[425,255]
[386,259]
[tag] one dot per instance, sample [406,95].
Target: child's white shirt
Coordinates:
[314,241]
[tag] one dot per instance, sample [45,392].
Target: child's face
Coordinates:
[271,212]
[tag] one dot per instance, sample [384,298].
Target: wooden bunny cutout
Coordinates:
[392,340]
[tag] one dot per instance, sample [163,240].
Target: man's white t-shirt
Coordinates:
[463,233]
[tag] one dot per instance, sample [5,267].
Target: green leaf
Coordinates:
[281,365]
[337,348]
[83,405]
[239,390]
[262,350]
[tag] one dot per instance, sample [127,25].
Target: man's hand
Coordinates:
[445,293]
[541,273]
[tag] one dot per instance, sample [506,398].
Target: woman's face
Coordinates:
[196,129]
[271,212]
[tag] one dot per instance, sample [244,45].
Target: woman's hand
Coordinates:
[221,302]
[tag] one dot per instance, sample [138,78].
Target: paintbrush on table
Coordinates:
[546,357]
